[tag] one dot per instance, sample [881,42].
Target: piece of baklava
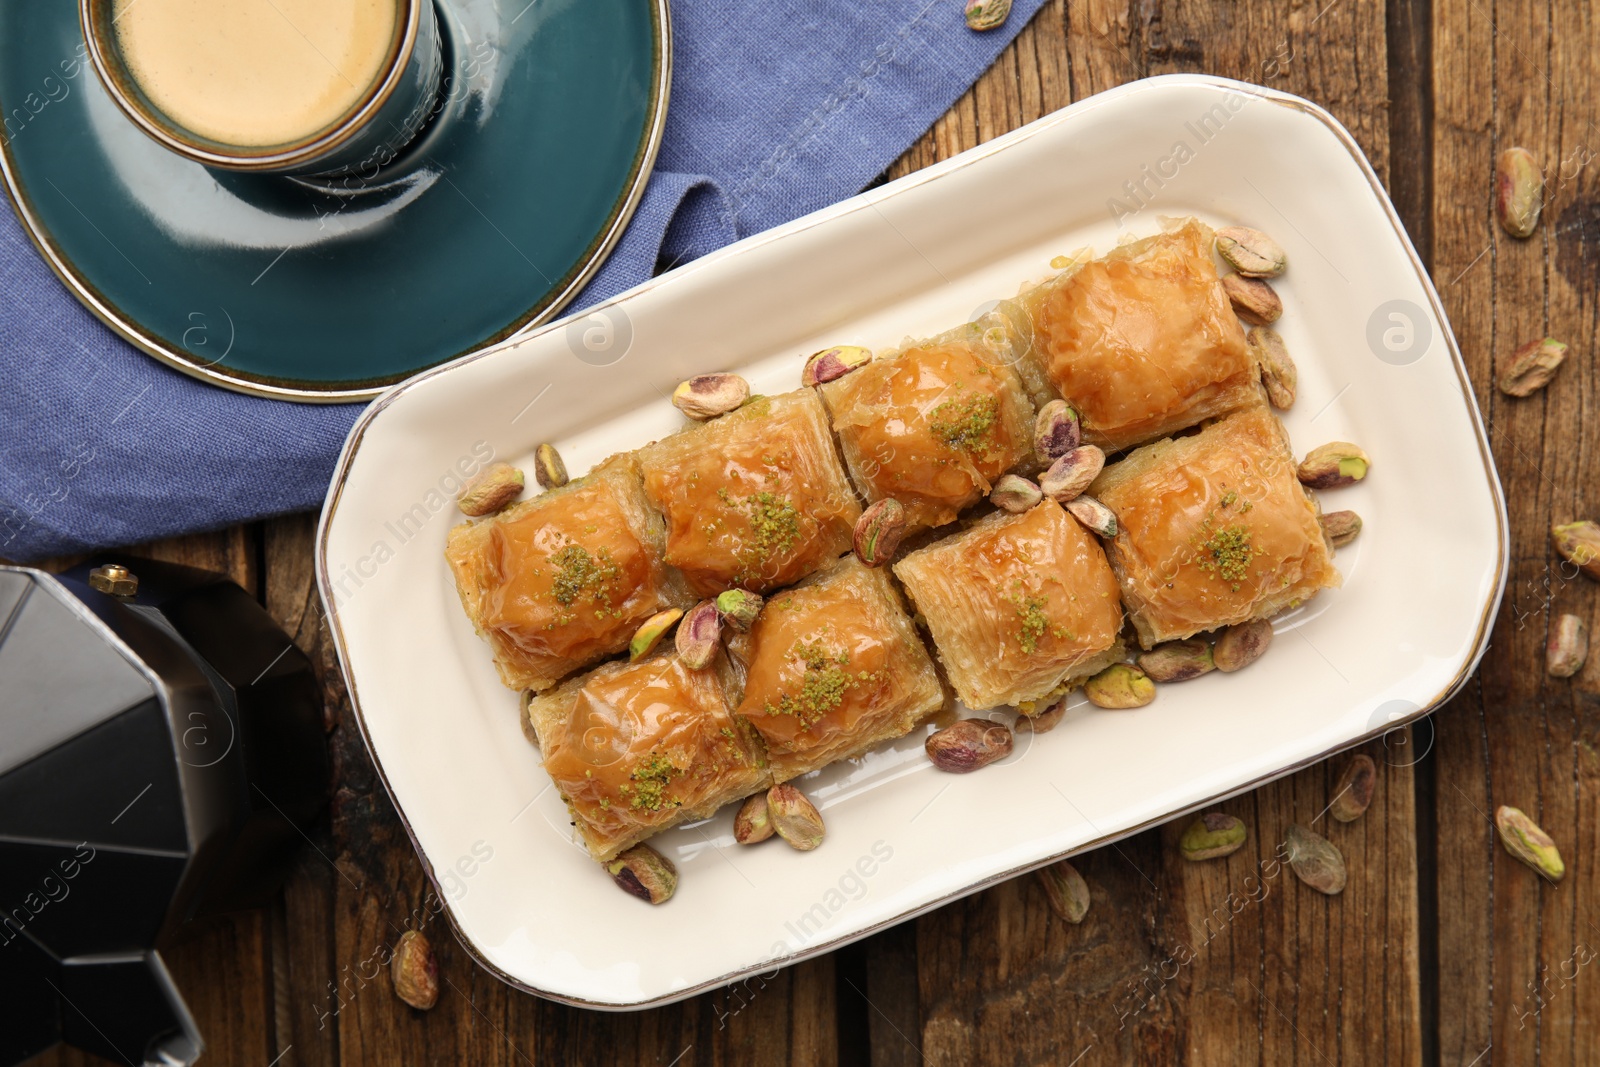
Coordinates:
[1142,341]
[635,748]
[932,425]
[562,580]
[832,667]
[754,499]
[1214,529]
[1020,606]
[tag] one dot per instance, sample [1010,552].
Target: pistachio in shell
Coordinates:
[1315,860]
[549,468]
[1253,300]
[1579,545]
[1178,661]
[1071,474]
[968,745]
[1279,376]
[1567,647]
[705,396]
[699,635]
[1251,252]
[794,817]
[1044,721]
[878,532]
[834,363]
[491,490]
[987,14]
[1333,466]
[739,607]
[1015,494]
[1212,836]
[1094,515]
[1340,527]
[1518,191]
[414,970]
[1056,431]
[1241,645]
[753,823]
[1352,793]
[645,873]
[1066,891]
[1531,367]
[1526,841]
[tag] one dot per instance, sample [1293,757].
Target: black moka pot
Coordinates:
[161,749]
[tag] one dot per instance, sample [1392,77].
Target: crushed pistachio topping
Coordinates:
[650,781]
[965,424]
[581,578]
[774,529]
[1032,622]
[823,685]
[1227,554]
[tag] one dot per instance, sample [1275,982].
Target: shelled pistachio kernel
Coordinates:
[1315,860]
[1567,648]
[699,635]
[1056,431]
[1341,527]
[1121,685]
[1279,376]
[987,14]
[1352,793]
[1531,367]
[1333,465]
[1241,645]
[494,487]
[968,745]
[1518,191]
[705,396]
[645,873]
[650,633]
[1015,494]
[1066,891]
[1525,840]
[1212,836]
[834,363]
[794,818]
[1178,661]
[548,467]
[414,970]
[1072,473]
[1251,252]
[1579,545]
[739,607]
[753,825]
[878,532]
[1253,300]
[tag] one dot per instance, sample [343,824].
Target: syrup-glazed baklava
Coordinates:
[635,748]
[1019,606]
[562,580]
[1142,341]
[932,425]
[1214,529]
[755,499]
[832,667]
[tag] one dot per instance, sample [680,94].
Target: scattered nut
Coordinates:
[739,607]
[1251,252]
[1352,793]
[1066,891]
[699,634]
[1043,722]
[753,824]
[1015,493]
[650,633]
[1056,431]
[1278,372]
[878,532]
[1531,367]
[548,467]
[645,873]
[1330,466]
[1241,645]
[1253,300]
[1518,191]
[833,363]
[705,396]
[1579,545]
[987,14]
[1121,685]
[1568,647]
[1072,473]
[1523,838]
[968,745]
[414,971]
[1316,860]
[1212,836]
[794,818]
[494,487]
[1340,527]
[1178,661]
[1093,514]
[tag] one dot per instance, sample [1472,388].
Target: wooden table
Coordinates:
[1441,950]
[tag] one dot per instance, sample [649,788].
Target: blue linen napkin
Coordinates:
[778,107]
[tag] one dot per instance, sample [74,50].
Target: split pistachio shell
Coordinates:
[415,971]
[1524,839]
[987,14]
[1178,661]
[1066,891]
[1056,431]
[968,745]
[753,824]
[1121,685]
[1212,836]
[699,634]
[1341,527]
[705,396]
[1567,648]
[1071,474]
[1352,793]
[1094,515]
[878,532]
[795,818]
[1043,722]
[496,486]
[1518,191]
[1279,375]
[739,608]
[1333,465]
[1239,646]
[1253,300]
[645,873]
[834,363]
[549,468]
[1015,494]
[1531,367]
[1316,861]
[1251,252]
[1579,545]
[650,633]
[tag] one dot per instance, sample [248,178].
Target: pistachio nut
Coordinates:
[415,971]
[548,467]
[1121,685]
[1056,431]
[705,396]
[650,633]
[491,490]
[1567,648]
[1015,494]
[699,634]
[1251,252]
[794,818]
[1335,464]
[987,14]
[1523,838]
[1279,375]
[1579,545]
[879,530]
[1315,860]
[1340,527]
[739,607]
[1094,515]
[1178,661]
[1239,646]
[968,745]
[1066,891]
[645,873]
[753,824]
[1518,191]
[1071,474]
[1352,793]
[1253,300]
[1531,367]
[1212,836]
[833,363]
[1044,721]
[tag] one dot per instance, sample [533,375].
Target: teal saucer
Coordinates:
[326,291]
